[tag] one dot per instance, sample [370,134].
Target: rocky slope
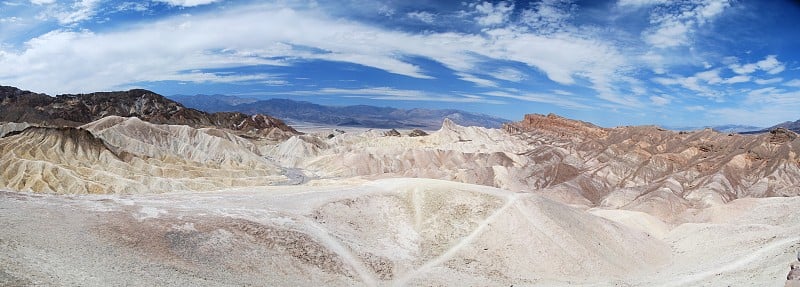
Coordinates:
[127,155]
[73,110]
[646,169]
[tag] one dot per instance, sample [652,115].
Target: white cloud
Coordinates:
[710,76]
[187,3]
[793,83]
[660,100]
[493,14]
[201,77]
[768,81]
[669,35]
[426,17]
[42,2]
[695,108]
[12,19]
[557,100]
[509,74]
[90,61]
[710,9]
[743,69]
[133,6]
[737,79]
[548,16]
[640,3]
[67,14]
[674,27]
[763,107]
[387,93]
[476,80]
[770,65]
[696,83]
[386,11]
[562,92]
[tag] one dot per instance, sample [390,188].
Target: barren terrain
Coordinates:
[543,202]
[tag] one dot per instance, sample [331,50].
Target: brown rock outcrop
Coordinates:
[556,125]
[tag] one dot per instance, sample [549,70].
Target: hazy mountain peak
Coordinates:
[356,115]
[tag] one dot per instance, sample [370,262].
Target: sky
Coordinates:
[622,62]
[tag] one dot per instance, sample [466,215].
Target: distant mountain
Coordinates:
[720,128]
[17,105]
[212,103]
[792,126]
[358,116]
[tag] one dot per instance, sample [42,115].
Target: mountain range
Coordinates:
[18,105]
[789,125]
[354,116]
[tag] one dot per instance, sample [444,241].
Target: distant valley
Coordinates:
[353,116]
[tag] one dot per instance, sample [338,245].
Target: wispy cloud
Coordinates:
[674,26]
[793,83]
[42,2]
[490,14]
[509,74]
[661,100]
[388,93]
[68,13]
[549,15]
[188,3]
[768,81]
[640,3]
[553,99]
[481,82]
[425,17]
[770,65]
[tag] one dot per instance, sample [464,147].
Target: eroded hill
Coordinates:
[557,202]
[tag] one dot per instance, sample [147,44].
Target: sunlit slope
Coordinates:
[119,155]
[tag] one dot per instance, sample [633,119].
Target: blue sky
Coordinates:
[624,62]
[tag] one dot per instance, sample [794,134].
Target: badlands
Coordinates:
[547,201]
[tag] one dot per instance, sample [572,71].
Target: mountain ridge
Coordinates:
[18,105]
[354,115]
[789,125]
